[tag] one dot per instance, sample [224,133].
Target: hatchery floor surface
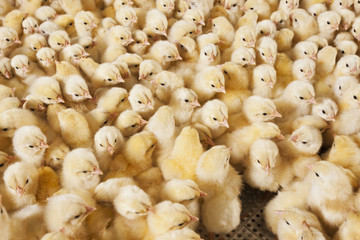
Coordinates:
[252,225]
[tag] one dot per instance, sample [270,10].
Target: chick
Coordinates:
[328,22]
[303,25]
[262,8]
[98,118]
[32,44]
[209,56]
[13,20]
[166,6]
[196,16]
[48,27]
[181,7]
[47,89]
[66,21]
[156,22]
[85,23]
[342,84]
[281,19]
[75,89]
[223,185]
[265,28]
[46,59]
[73,54]
[223,28]
[126,16]
[9,103]
[304,69]
[106,74]
[164,53]
[140,44]
[70,118]
[128,65]
[9,38]
[21,183]
[45,13]
[30,145]
[48,183]
[259,109]
[182,28]
[214,115]
[55,154]
[322,203]
[107,142]
[347,48]
[355,30]
[90,45]
[267,50]
[107,191]
[107,101]
[264,78]
[141,100]
[30,25]
[148,69]
[5,222]
[166,83]
[325,108]
[349,228]
[244,56]
[129,122]
[80,170]
[69,222]
[58,40]
[5,161]
[5,68]
[305,49]
[266,163]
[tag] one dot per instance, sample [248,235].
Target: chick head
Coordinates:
[306,49]
[329,21]
[209,53]
[213,165]
[140,40]
[21,179]
[132,60]
[140,98]
[355,29]
[262,8]
[30,25]
[350,227]
[300,92]
[265,28]
[343,84]
[157,22]
[126,16]
[5,161]
[167,80]
[268,130]
[30,141]
[148,69]
[263,154]
[343,147]
[47,89]
[81,164]
[245,36]
[215,114]
[21,65]
[169,216]
[260,109]
[69,221]
[108,139]
[306,139]
[124,69]
[169,52]
[98,118]
[181,191]
[165,6]
[183,28]
[316,9]
[132,202]
[264,75]
[180,8]
[342,4]
[66,21]
[9,37]
[46,56]
[267,48]
[141,145]
[54,156]
[288,5]
[48,27]
[6,92]
[186,97]
[85,21]
[5,67]
[244,56]
[122,3]
[347,18]
[76,89]
[75,52]
[45,13]
[35,42]
[326,109]
[304,69]
[195,15]
[348,65]
[129,122]
[59,40]
[352,96]
[347,48]
[325,173]
[281,19]
[109,74]
[87,42]
[112,100]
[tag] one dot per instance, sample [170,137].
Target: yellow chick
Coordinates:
[48,183]
[107,191]
[182,28]
[347,48]
[21,184]
[325,108]
[244,56]
[14,19]
[303,25]
[55,154]
[305,49]
[140,44]
[222,184]
[340,4]
[5,161]
[223,28]
[164,53]
[266,170]
[70,222]
[209,56]
[166,83]
[141,100]
[113,105]
[267,50]
[75,89]
[281,19]
[89,45]
[264,78]
[261,7]
[166,6]
[85,22]
[265,28]
[58,40]
[9,103]
[181,7]
[349,229]
[343,84]
[46,59]
[73,54]
[32,44]
[196,16]
[66,21]
[45,13]
[328,23]
[304,69]
[250,18]
[9,38]
[68,120]
[98,118]
[288,6]
[106,74]
[107,142]
[128,62]
[204,39]
[80,170]
[30,144]
[148,69]
[347,18]
[189,139]
[126,16]
[129,122]
[48,27]
[259,109]
[30,25]
[156,22]
[5,68]
[47,89]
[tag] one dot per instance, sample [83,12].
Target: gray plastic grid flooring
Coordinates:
[252,225]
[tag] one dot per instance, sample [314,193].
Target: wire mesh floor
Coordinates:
[252,225]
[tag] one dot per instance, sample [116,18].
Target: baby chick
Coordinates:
[75,89]
[13,20]
[303,25]
[30,145]
[223,28]
[156,22]
[58,40]
[129,122]
[140,44]
[182,28]
[55,154]
[80,170]
[98,118]
[259,109]
[305,49]
[265,28]
[126,16]
[47,89]
[347,18]
[30,25]
[264,78]
[141,99]
[73,54]
[106,74]
[45,13]
[85,23]
[262,8]
[244,56]
[9,37]
[349,228]
[66,21]
[113,105]
[328,22]
[267,50]
[304,69]
[325,108]
[164,53]
[148,69]
[46,59]
[347,47]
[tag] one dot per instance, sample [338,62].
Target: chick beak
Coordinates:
[346,25]
[178,57]
[142,76]
[212,58]
[67,44]
[311,100]
[25,69]
[224,123]
[60,99]
[195,103]
[119,79]
[270,59]
[279,212]
[267,169]
[133,20]
[43,144]
[252,43]
[252,61]
[336,27]
[150,105]
[143,122]
[41,107]
[280,137]
[20,191]
[270,84]
[267,34]
[332,118]
[294,138]
[149,209]
[309,165]
[276,114]
[89,209]
[48,62]
[110,149]
[164,33]
[17,41]
[93,25]
[97,171]
[227,7]
[145,43]
[313,57]
[291,6]
[193,219]
[202,22]
[10,158]
[202,194]
[7,74]
[209,141]
[85,54]
[353,70]
[308,75]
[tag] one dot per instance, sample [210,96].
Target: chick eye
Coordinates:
[31,146]
[244,59]
[186,100]
[179,11]
[101,145]
[264,114]
[122,100]
[304,142]
[105,122]
[287,223]
[212,85]
[58,159]
[84,171]
[122,38]
[323,111]
[162,84]
[301,98]
[137,42]
[181,224]
[215,119]
[139,102]
[244,39]
[317,174]
[151,74]
[152,146]
[164,5]
[136,65]
[76,55]
[16,67]
[281,21]
[340,3]
[133,126]
[70,24]
[59,44]
[169,56]
[40,59]
[354,30]
[1,165]
[85,23]
[252,8]
[328,22]
[355,97]
[301,70]
[27,181]
[347,65]
[109,79]
[234,5]
[34,48]
[190,32]
[342,51]
[4,129]
[76,95]
[157,29]
[262,79]
[205,54]
[225,72]
[263,54]
[194,19]
[182,46]
[258,161]
[77,216]
[8,40]
[261,32]
[295,20]
[48,98]
[339,87]
[314,14]
[305,53]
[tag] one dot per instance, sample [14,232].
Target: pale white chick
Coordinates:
[303,25]
[113,100]
[166,6]
[75,89]
[305,49]
[347,18]
[55,154]
[281,19]
[347,47]
[46,89]
[141,100]
[21,184]
[46,59]
[265,28]
[107,142]
[245,36]
[267,50]
[265,169]
[214,115]
[166,83]
[209,56]
[342,84]
[32,43]
[207,38]
[325,108]
[30,25]
[264,78]
[126,16]
[304,69]
[48,27]
[5,68]
[222,184]
[164,53]
[244,56]
[8,38]
[196,16]
[207,83]
[288,5]
[45,13]
[183,101]
[224,29]
[59,40]
[73,54]
[129,122]
[341,4]
[90,46]
[259,109]
[30,144]
[106,74]
[156,22]
[71,221]
[26,69]
[355,29]
[328,22]
[106,191]
[80,170]
[85,23]
[316,9]
[182,28]
[140,44]
[148,69]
